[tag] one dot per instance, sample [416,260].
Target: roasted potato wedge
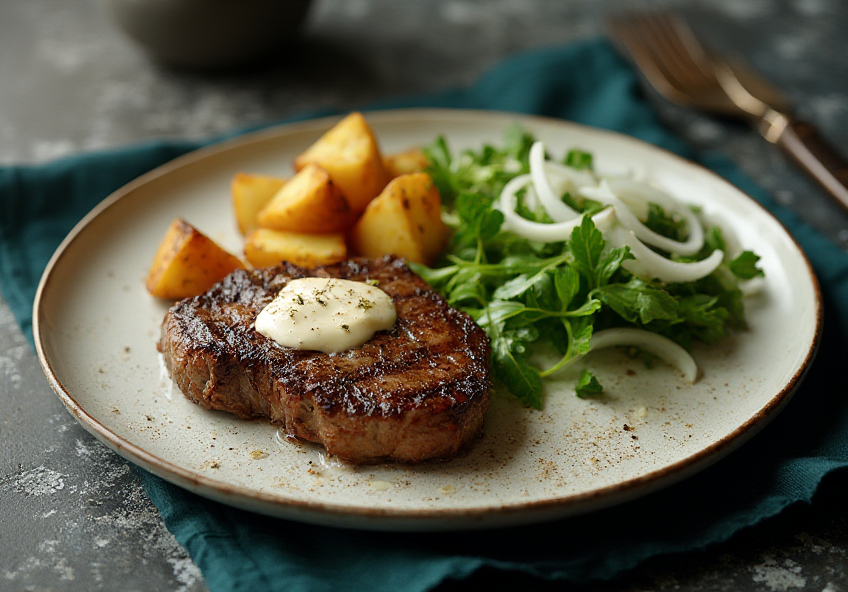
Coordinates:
[405,220]
[310,202]
[403,163]
[265,247]
[251,192]
[187,263]
[350,154]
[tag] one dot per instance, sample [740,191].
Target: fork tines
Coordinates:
[670,56]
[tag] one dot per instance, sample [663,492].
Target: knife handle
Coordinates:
[811,152]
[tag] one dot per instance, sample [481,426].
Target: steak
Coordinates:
[414,393]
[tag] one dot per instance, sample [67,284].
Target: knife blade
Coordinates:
[771,113]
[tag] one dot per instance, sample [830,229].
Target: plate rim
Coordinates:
[420,519]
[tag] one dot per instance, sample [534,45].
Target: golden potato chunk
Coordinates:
[265,247]
[350,154]
[310,202]
[251,192]
[403,163]
[187,263]
[404,220]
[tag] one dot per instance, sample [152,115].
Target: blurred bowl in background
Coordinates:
[209,33]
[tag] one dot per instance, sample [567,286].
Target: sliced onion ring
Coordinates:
[630,191]
[537,231]
[653,265]
[554,206]
[633,191]
[662,347]
[647,262]
[575,177]
[604,194]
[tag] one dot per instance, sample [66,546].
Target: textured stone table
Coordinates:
[72,515]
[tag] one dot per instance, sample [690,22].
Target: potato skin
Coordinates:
[265,247]
[350,154]
[250,193]
[309,203]
[187,263]
[345,199]
[404,220]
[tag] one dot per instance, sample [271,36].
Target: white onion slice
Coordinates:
[537,231]
[653,265]
[576,178]
[647,263]
[660,346]
[632,192]
[554,206]
[604,194]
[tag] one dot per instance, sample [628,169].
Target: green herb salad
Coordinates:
[549,253]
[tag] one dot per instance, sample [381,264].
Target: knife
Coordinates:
[772,115]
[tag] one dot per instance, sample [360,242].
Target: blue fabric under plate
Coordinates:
[584,82]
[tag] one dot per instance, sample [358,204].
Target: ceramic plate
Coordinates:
[96,329]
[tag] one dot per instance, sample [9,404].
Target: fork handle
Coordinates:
[802,142]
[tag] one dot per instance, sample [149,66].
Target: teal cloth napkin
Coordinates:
[584,82]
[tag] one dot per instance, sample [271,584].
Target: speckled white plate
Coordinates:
[96,328]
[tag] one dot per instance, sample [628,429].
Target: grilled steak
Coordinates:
[414,393]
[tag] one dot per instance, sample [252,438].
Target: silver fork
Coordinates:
[667,53]
[683,71]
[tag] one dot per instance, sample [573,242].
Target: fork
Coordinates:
[674,62]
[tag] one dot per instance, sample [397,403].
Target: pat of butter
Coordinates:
[326,314]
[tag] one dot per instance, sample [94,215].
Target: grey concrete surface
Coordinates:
[72,514]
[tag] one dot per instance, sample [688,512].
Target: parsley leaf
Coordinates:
[440,162]
[662,223]
[744,266]
[637,302]
[581,204]
[587,246]
[510,366]
[594,263]
[581,333]
[478,222]
[703,318]
[567,284]
[578,159]
[588,386]
[517,142]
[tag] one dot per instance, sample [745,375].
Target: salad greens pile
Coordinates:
[528,295]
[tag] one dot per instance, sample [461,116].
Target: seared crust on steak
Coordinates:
[414,393]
